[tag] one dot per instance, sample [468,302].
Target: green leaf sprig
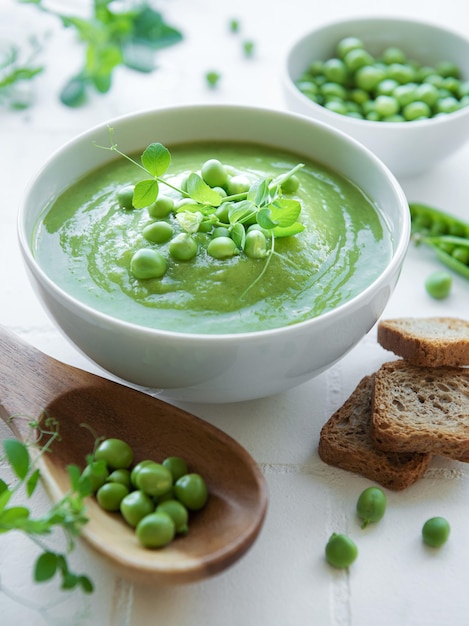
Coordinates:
[16,73]
[116,34]
[68,514]
[264,202]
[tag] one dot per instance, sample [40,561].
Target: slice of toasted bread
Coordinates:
[421,409]
[432,341]
[345,442]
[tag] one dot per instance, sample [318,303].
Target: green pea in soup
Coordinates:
[181,264]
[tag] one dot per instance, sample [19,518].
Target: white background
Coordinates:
[283,580]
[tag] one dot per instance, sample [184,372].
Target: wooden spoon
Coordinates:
[219,534]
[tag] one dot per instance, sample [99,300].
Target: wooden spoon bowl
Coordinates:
[32,384]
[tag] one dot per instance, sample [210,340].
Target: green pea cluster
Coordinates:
[153,498]
[447,235]
[388,88]
[179,219]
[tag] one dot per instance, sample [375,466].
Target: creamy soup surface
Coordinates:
[85,242]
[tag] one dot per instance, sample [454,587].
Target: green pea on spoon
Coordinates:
[33,384]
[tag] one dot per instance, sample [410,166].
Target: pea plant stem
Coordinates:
[270,254]
[114,148]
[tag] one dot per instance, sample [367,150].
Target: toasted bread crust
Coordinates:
[421,409]
[431,342]
[345,442]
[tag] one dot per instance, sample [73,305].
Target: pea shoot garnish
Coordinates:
[238,213]
[115,35]
[67,514]
[17,74]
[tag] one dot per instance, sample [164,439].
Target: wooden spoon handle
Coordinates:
[29,380]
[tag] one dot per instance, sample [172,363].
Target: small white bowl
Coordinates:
[223,367]
[407,148]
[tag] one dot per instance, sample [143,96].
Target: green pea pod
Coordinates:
[445,233]
[447,248]
[428,220]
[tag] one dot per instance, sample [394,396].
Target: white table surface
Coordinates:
[283,580]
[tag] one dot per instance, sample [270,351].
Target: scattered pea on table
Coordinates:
[341,551]
[435,532]
[438,285]
[371,505]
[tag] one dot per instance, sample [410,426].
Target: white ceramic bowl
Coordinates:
[218,368]
[407,148]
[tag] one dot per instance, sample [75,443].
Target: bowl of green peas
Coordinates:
[399,86]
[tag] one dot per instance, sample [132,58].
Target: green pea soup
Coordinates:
[85,241]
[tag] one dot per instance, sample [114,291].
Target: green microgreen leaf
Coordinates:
[19,74]
[264,219]
[288,231]
[86,584]
[3,486]
[145,193]
[32,482]
[199,191]
[102,82]
[241,210]
[31,526]
[285,212]
[18,457]
[259,192]
[69,580]
[89,458]
[150,29]
[238,234]
[14,515]
[45,567]
[4,499]
[156,159]
[79,483]
[101,60]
